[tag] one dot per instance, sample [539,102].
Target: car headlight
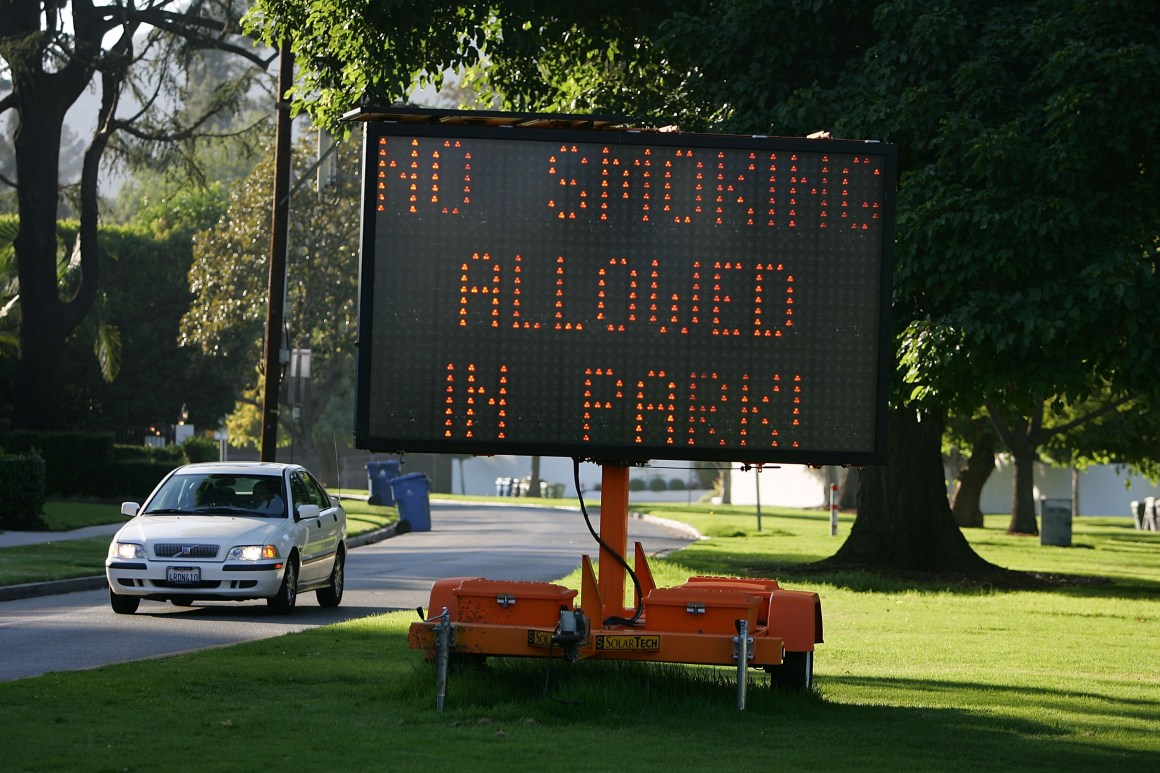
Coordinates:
[126,550]
[252,553]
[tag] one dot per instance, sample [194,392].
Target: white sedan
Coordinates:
[230,531]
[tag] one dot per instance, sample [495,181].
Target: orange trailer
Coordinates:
[725,621]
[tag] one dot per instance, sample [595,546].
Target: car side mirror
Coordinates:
[306,512]
[130,509]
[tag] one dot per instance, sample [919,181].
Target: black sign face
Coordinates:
[624,295]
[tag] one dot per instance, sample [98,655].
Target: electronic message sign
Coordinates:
[623,294]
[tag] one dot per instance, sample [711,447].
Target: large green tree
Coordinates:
[145,290]
[1027,229]
[227,316]
[137,56]
[1026,240]
[1026,252]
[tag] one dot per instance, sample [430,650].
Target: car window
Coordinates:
[176,494]
[264,495]
[219,494]
[307,491]
[320,492]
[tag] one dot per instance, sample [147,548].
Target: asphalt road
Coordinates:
[78,630]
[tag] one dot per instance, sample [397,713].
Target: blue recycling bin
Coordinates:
[413,496]
[379,477]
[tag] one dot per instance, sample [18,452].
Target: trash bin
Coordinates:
[1055,529]
[1150,520]
[412,494]
[379,477]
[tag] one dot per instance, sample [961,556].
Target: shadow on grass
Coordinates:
[1099,706]
[788,568]
[849,723]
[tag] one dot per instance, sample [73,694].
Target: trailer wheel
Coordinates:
[795,674]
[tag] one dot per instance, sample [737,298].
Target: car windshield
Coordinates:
[218,494]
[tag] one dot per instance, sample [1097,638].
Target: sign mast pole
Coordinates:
[279,238]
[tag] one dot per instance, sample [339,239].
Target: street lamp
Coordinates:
[183,429]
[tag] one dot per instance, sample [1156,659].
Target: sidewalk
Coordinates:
[10,539]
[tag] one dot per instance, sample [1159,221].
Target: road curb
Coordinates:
[30,590]
[677,526]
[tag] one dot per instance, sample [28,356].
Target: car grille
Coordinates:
[183,550]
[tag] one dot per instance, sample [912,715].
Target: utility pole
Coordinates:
[279,236]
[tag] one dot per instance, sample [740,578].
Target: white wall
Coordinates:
[1103,489]
[788,485]
[479,474]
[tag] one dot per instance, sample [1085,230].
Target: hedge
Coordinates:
[80,464]
[22,481]
[73,461]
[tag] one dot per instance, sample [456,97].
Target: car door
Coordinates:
[322,532]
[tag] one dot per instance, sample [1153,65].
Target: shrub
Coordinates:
[657,484]
[635,484]
[201,449]
[22,481]
[132,480]
[80,464]
[74,462]
[172,455]
[677,484]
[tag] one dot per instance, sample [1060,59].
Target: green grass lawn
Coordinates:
[913,675]
[66,515]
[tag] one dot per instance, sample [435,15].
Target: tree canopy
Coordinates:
[228,278]
[138,57]
[1027,253]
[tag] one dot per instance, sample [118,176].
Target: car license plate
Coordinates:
[183,575]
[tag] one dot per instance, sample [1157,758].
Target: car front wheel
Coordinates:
[123,605]
[282,603]
[331,595]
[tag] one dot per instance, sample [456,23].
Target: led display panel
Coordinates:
[624,294]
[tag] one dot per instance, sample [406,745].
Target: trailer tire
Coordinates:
[795,674]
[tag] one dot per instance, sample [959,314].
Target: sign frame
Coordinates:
[375,355]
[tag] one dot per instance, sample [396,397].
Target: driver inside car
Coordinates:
[266,498]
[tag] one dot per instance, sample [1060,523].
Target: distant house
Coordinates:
[673,481]
[479,475]
[1102,489]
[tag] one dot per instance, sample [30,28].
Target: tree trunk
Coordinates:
[38,393]
[1023,491]
[534,479]
[904,519]
[726,485]
[968,490]
[42,100]
[1075,492]
[848,496]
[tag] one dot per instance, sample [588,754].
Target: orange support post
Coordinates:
[614,533]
